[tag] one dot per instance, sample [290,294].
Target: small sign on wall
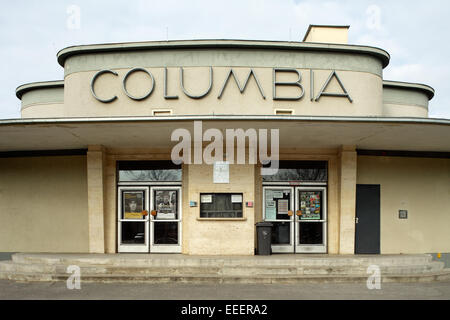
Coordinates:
[221,172]
[206,198]
[236,198]
[403,214]
[192,203]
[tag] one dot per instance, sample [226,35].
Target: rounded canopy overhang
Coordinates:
[369,133]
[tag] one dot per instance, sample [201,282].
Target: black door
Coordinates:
[367,236]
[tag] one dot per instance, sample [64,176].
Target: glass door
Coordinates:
[278,209]
[311,220]
[133,204]
[165,219]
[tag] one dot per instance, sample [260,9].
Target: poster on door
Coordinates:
[311,205]
[166,204]
[277,204]
[133,204]
[283,206]
[271,210]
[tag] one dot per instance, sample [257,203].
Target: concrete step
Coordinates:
[11,266]
[254,261]
[384,270]
[115,260]
[139,278]
[366,261]
[254,269]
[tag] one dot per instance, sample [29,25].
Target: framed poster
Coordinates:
[283,206]
[310,205]
[133,204]
[166,204]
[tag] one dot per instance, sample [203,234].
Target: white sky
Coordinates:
[415,33]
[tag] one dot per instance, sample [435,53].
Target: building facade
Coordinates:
[89,166]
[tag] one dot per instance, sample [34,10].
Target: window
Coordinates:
[284,112]
[157,113]
[221,205]
[309,171]
[149,171]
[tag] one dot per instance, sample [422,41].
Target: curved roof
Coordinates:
[429,91]
[65,53]
[24,88]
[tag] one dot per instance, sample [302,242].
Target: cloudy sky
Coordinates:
[415,33]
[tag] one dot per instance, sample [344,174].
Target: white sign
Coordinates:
[283,206]
[278,194]
[236,198]
[221,172]
[206,198]
[165,216]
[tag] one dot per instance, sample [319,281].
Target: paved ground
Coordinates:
[58,290]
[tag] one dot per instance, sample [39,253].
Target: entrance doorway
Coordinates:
[367,224]
[299,217]
[149,219]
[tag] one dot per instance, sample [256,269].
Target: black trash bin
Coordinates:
[264,236]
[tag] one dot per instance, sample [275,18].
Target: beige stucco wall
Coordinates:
[43,103]
[364,88]
[326,34]
[43,204]
[401,102]
[401,110]
[419,185]
[220,236]
[44,110]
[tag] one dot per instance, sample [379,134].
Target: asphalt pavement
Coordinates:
[136,291]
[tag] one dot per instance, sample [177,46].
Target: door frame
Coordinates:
[132,247]
[166,248]
[295,246]
[146,247]
[311,248]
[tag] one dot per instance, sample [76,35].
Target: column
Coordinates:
[333,217]
[347,181]
[95,177]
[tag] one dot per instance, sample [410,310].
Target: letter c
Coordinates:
[93,82]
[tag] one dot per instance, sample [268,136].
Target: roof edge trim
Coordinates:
[433,121]
[67,52]
[24,88]
[428,90]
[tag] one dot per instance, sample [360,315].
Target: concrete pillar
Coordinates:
[347,199]
[110,204]
[186,197]
[333,205]
[95,177]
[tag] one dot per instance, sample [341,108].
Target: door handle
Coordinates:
[356,220]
